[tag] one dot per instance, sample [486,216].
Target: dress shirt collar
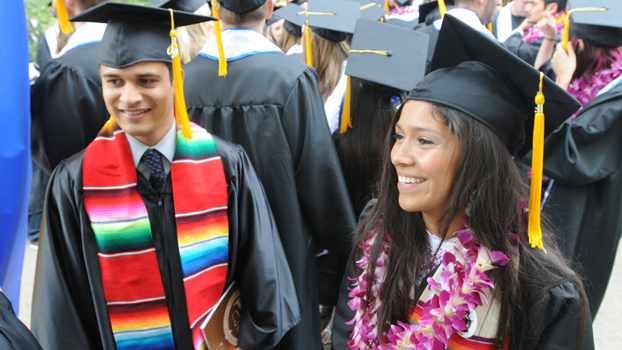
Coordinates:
[166,146]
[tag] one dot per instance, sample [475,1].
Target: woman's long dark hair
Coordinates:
[488,177]
[592,58]
[360,148]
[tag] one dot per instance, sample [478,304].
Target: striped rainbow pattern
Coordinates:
[130,273]
[202,225]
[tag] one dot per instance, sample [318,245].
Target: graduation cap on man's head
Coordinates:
[333,19]
[371,10]
[385,55]
[431,11]
[476,75]
[597,22]
[179,5]
[241,6]
[137,34]
[295,17]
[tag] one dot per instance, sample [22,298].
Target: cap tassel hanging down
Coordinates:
[222,61]
[567,23]
[535,230]
[308,42]
[181,114]
[386,5]
[442,8]
[346,121]
[63,17]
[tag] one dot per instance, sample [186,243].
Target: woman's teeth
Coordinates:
[410,180]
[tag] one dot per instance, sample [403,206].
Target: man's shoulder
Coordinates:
[82,59]
[69,170]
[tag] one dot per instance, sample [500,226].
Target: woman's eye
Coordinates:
[424,141]
[398,137]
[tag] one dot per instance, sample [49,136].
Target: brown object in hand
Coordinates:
[220,328]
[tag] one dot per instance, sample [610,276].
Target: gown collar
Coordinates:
[467,16]
[238,42]
[88,33]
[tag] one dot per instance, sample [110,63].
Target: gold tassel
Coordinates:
[346,121]
[222,61]
[489,26]
[181,114]
[63,18]
[386,5]
[308,42]
[566,35]
[442,7]
[535,230]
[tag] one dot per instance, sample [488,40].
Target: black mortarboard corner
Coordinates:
[333,19]
[241,6]
[401,2]
[386,55]
[371,10]
[135,33]
[179,5]
[601,28]
[476,75]
[295,17]
[429,11]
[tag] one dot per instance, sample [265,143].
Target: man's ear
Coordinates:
[552,7]
[270,9]
[183,74]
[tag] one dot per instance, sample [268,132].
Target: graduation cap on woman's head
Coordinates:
[295,17]
[137,34]
[386,55]
[598,22]
[476,75]
[371,10]
[333,19]
[179,5]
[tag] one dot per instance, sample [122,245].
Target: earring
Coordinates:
[469,206]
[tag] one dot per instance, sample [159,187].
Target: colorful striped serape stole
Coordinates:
[139,316]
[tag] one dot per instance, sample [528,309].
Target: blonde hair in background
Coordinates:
[288,40]
[192,38]
[328,57]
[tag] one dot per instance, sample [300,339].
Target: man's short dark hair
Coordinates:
[87,4]
[238,19]
[561,4]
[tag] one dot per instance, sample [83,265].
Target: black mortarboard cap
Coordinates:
[429,11]
[295,17]
[476,75]
[601,28]
[333,19]
[371,10]
[405,60]
[402,24]
[241,6]
[135,33]
[179,5]
[401,2]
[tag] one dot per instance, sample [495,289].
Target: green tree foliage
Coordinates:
[40,17]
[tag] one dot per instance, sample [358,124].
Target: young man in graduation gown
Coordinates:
[270,104]
[509,18]
[147,226]
[476,13]
[67,108]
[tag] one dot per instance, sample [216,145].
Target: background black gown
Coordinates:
[13,334]
[584,157]
[69,309]
[67,107]
[270,104]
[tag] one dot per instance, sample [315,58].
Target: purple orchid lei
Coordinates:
[585,90]
[462,284]
[534,33]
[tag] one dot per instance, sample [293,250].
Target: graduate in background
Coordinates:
[191,38]
[328,52]
[294,18]
[67,108]
[149,225]
[584,156]
[509,18]
[270,104]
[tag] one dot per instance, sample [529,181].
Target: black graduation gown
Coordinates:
[554,321]
[43,51]
[67,106]
[525,51]
[584,157]
[13,334]
[270,104]
[69,310]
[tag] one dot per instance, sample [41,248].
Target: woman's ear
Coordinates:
[580,45]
